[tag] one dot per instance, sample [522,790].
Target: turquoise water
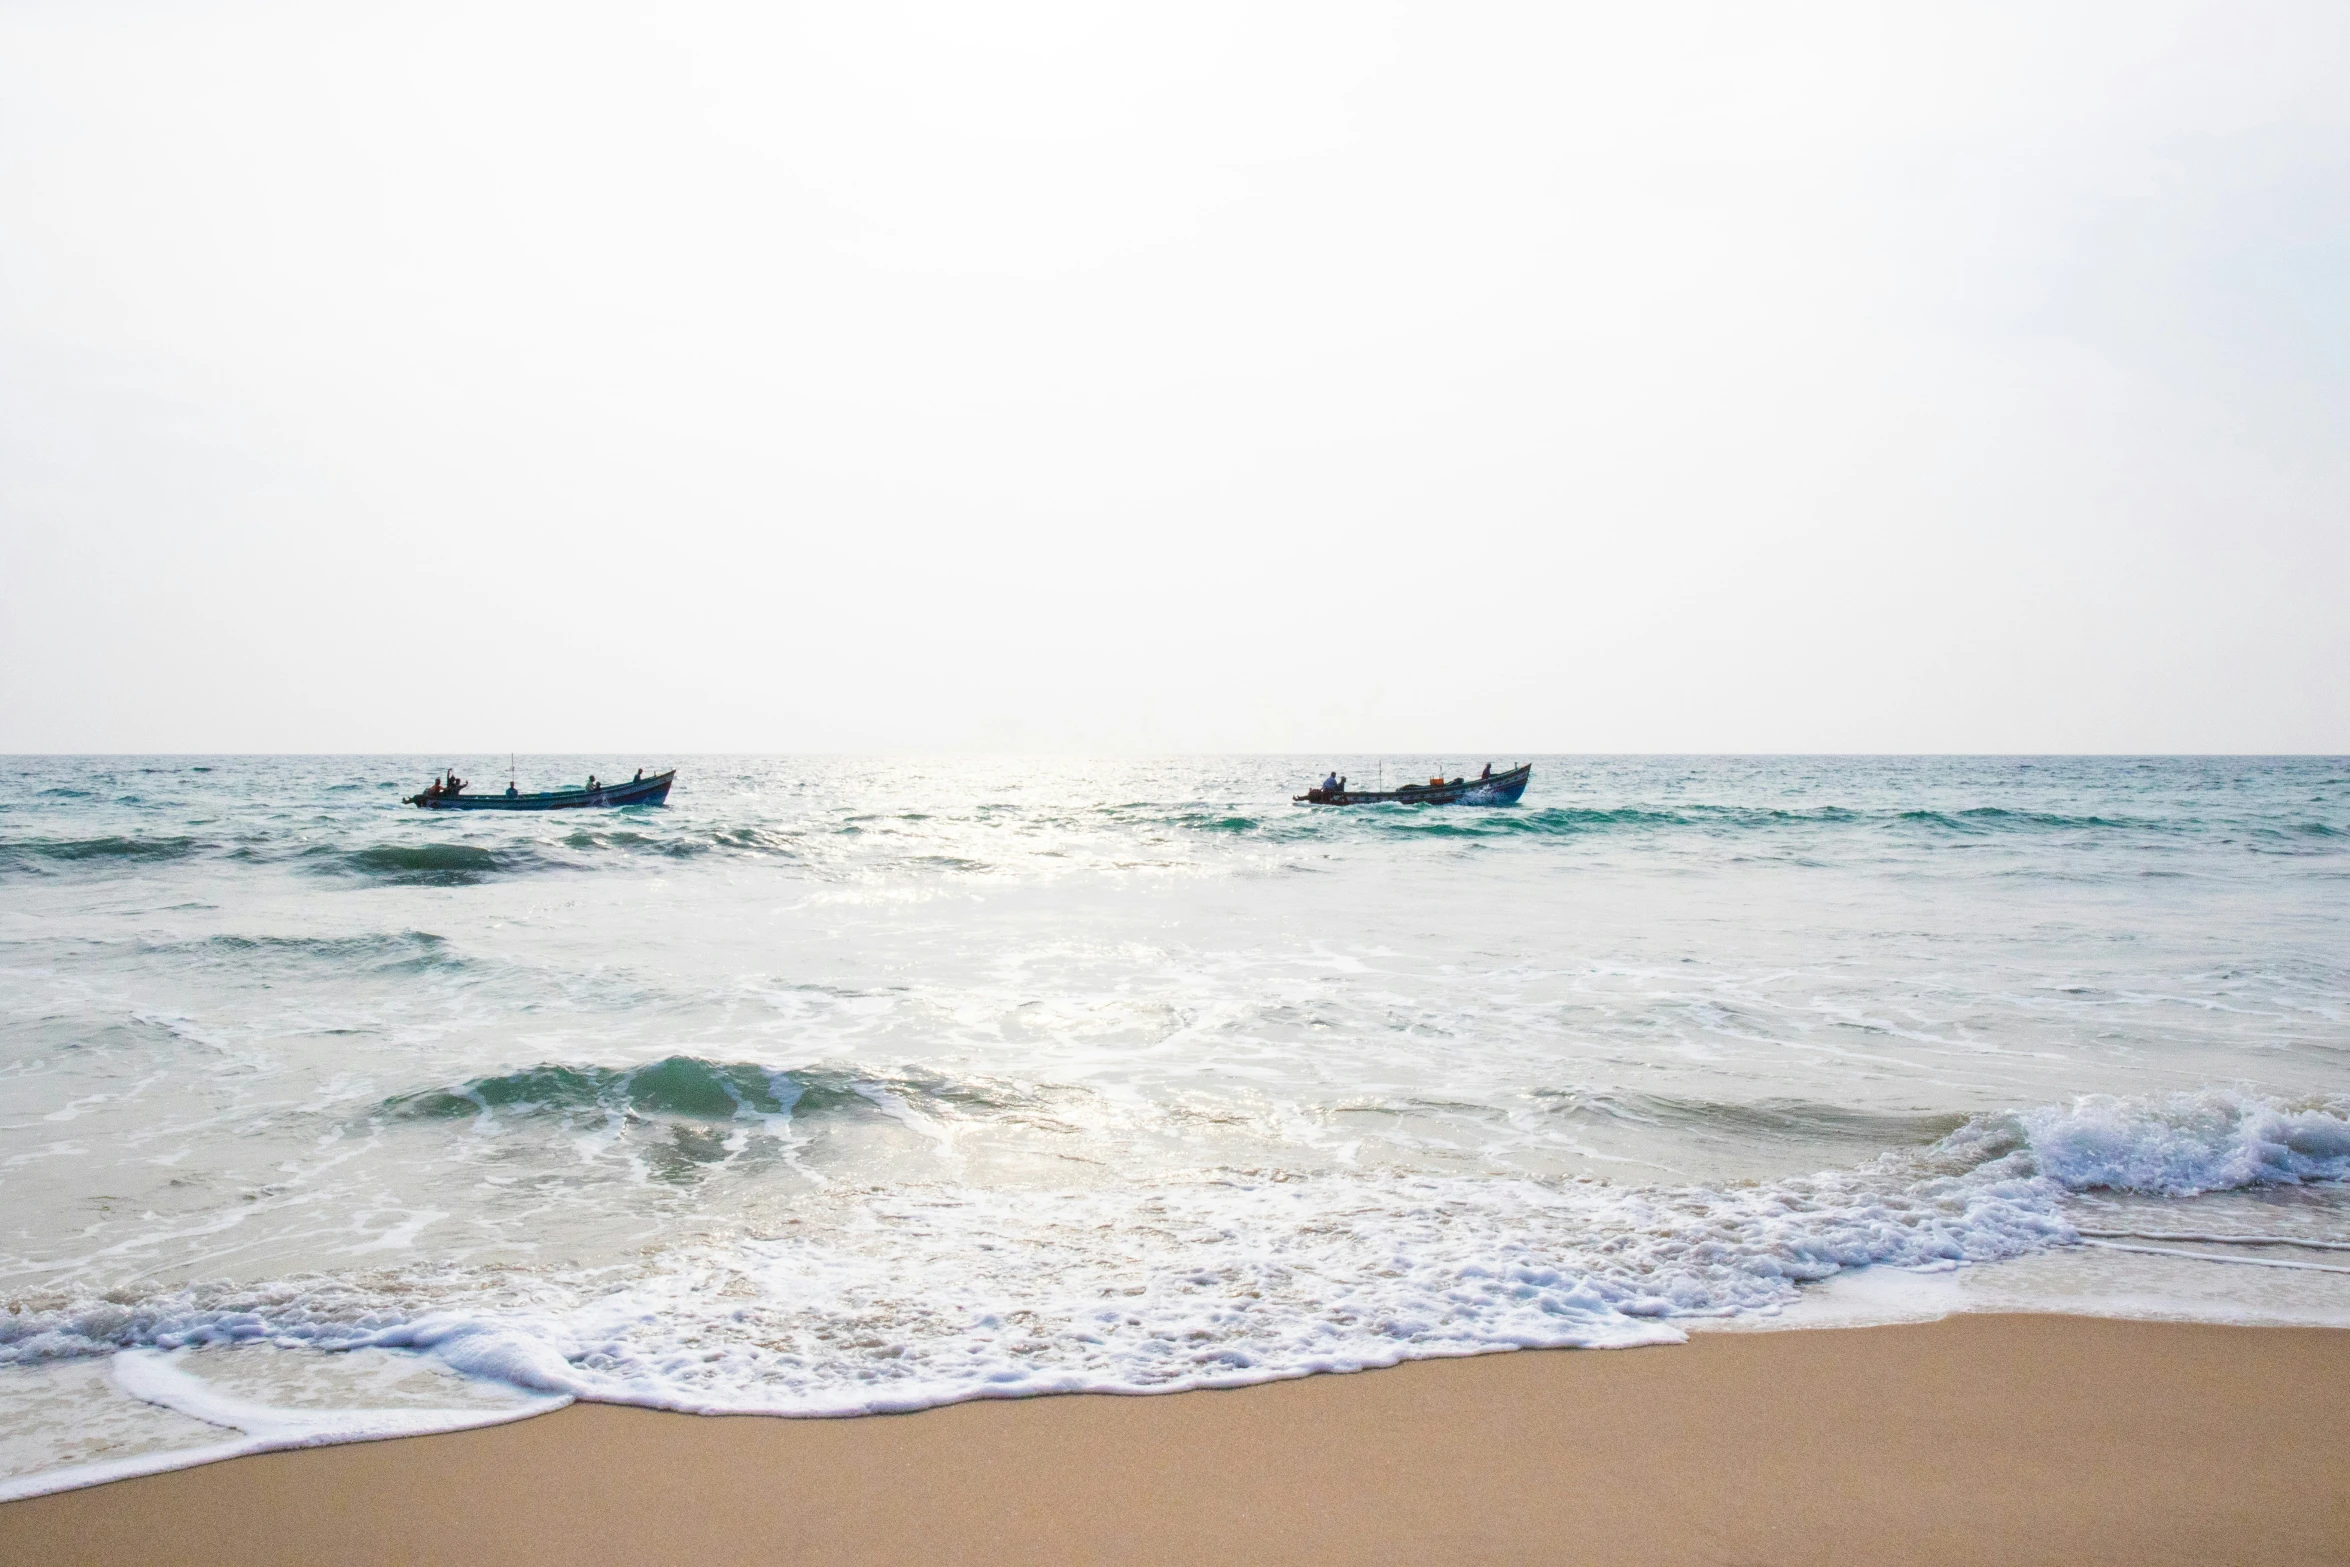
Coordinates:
[844,1084]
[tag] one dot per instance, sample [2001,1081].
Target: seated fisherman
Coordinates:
[1330,784]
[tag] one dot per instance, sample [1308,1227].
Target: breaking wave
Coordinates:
[2183,1145]
[678,1086]
[921,1296]
[690,1088]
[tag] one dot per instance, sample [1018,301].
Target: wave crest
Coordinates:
[681,1086]
[692,1088]
[2182,1145]
[44,854]
[425,864]
[1778,1119]
[1222,1277]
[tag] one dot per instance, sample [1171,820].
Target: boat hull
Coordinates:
[1500,789]
[636,791]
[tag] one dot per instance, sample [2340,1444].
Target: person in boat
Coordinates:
[591,780]
[511,791]
[1488,773]
[1330,783]
[640,775]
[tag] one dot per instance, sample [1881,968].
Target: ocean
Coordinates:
[859,1084]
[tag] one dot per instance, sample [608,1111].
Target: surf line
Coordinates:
[2217,1240]
[2203,1256]
[156,1377]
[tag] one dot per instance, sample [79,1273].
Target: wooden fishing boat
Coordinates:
[639,790]
[1493,789]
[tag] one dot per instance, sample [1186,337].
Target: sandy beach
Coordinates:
[1973,1440]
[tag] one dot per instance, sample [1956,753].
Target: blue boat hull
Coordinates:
[636,791]
[1500,789]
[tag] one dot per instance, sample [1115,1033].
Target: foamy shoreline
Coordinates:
[1977,1439]
[327,1122]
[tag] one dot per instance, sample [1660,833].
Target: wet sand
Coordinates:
[1975,1440]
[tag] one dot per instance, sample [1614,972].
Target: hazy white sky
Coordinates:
[751,377]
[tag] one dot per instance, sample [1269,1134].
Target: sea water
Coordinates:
[844,1084]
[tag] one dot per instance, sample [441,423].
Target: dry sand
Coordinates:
[1980,1439]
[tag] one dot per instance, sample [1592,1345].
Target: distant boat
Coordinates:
[1494,789]
[639,790]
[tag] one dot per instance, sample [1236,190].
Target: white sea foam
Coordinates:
[2184,1144]
[916,1298]
[937,1081]
[160,1378]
